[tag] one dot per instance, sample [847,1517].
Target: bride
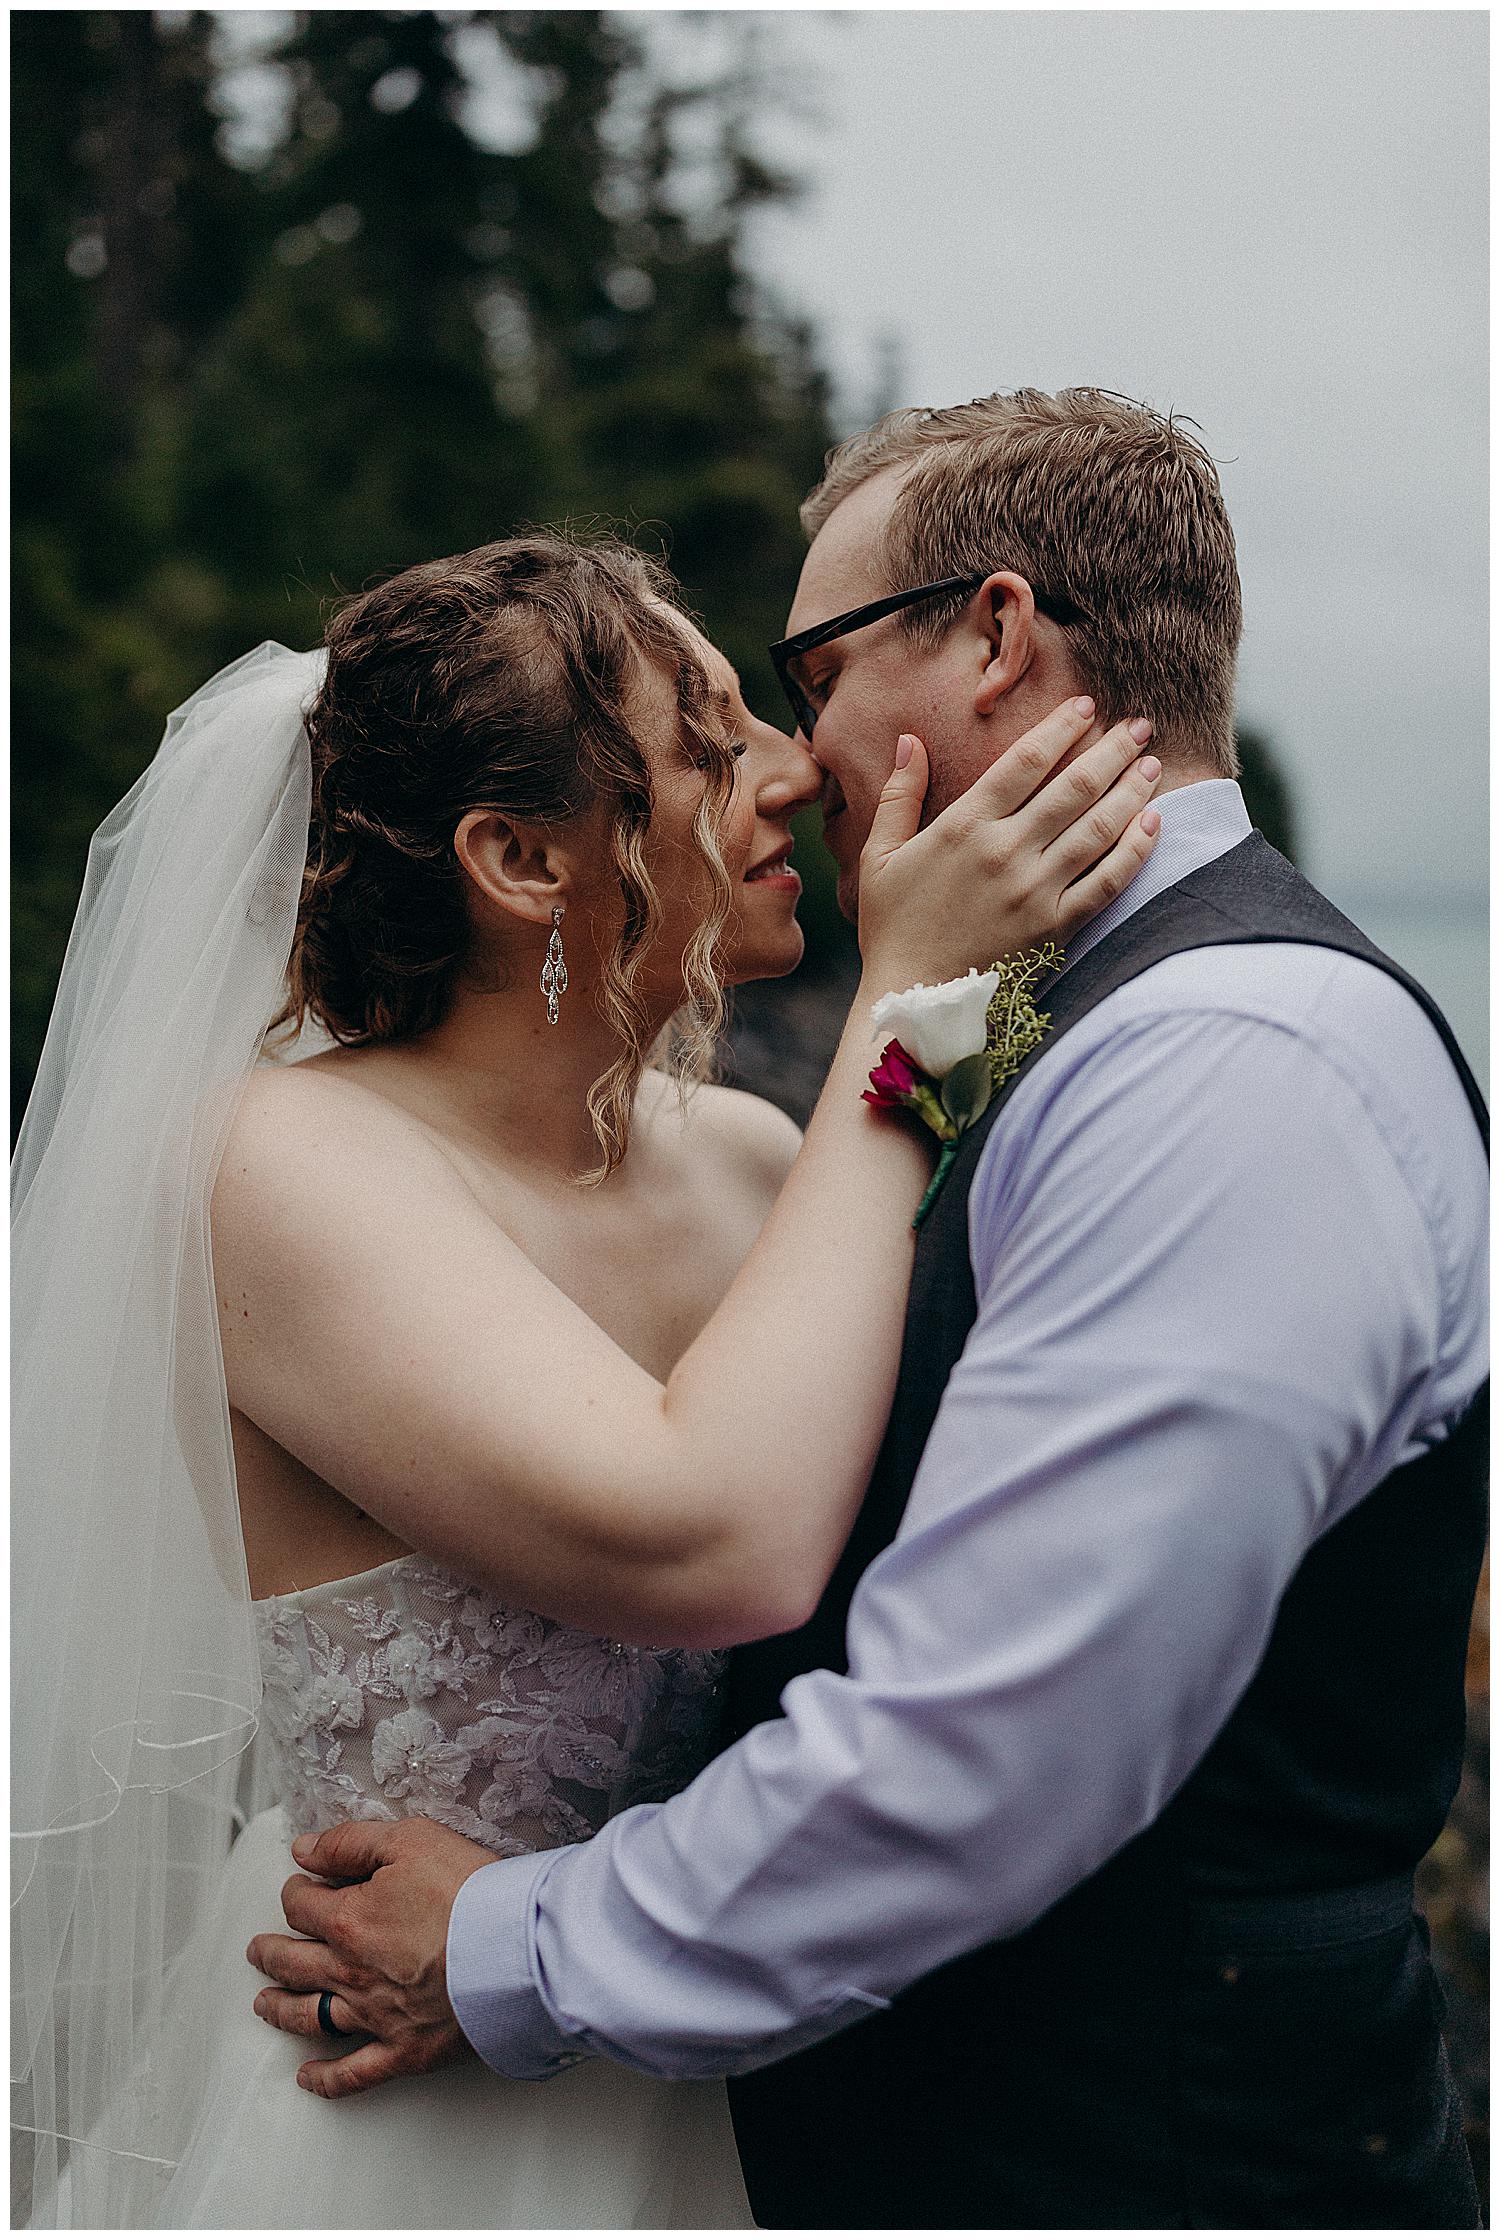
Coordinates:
[407,1370]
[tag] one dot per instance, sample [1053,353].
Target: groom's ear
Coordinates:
[1007,621]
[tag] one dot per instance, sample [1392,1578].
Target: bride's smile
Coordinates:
[774,776]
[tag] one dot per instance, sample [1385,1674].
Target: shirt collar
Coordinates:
[1198,823]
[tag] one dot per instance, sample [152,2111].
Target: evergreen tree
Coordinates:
[346,422]
[241,388]
[113,200]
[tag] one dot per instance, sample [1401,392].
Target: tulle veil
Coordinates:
[134,1671]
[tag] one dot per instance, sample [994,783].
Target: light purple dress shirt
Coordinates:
[1228,1248]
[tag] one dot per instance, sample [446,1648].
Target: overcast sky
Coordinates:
[1275,222]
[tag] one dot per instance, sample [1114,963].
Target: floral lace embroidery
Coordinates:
[410,1691]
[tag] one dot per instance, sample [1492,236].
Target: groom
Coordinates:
[1062,1873]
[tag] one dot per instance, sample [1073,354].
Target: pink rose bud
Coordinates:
[894,1079]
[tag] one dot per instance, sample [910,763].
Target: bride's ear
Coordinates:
[519,868]
[1007,613]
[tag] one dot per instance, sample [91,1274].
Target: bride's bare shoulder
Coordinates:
[311,1099]
[308,1132]
[738,1138]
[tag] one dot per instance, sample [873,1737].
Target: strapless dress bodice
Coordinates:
[407,1689]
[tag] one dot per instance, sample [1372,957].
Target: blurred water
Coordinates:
[1442,942]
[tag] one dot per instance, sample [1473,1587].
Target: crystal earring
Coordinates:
[554,971]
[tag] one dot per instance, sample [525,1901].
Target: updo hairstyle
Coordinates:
[497,679]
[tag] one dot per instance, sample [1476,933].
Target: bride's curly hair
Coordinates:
[497,680]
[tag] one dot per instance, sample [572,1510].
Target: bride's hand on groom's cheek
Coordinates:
[373,1933]
[1046,837]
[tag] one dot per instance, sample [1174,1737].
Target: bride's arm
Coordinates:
[417,1361]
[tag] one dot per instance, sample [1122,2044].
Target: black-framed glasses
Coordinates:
[788,652]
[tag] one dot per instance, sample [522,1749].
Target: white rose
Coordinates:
[937,1027]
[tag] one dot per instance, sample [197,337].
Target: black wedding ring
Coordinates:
[326,2023]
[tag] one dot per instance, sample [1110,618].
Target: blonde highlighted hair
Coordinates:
[1095,500]
[499,679]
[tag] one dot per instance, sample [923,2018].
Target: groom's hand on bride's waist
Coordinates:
[372,1932]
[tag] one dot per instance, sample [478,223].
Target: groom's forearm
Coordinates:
[491,1983]
[498,1985]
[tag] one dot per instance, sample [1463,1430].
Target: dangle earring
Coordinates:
[554,971]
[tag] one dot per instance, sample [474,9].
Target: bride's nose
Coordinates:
[786,776]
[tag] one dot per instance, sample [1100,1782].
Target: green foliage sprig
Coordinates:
[1016,1027]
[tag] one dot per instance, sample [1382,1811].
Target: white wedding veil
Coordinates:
[134,1670]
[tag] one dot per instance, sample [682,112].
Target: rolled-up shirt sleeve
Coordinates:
[1209,1320]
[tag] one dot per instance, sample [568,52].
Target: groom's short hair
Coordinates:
[1095,499]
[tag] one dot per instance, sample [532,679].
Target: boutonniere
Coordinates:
[954,1045]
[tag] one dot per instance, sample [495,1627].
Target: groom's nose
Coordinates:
[792,777]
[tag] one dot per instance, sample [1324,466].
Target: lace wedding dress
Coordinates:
[404,1690]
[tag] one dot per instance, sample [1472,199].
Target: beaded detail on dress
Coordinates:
[407,1690]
